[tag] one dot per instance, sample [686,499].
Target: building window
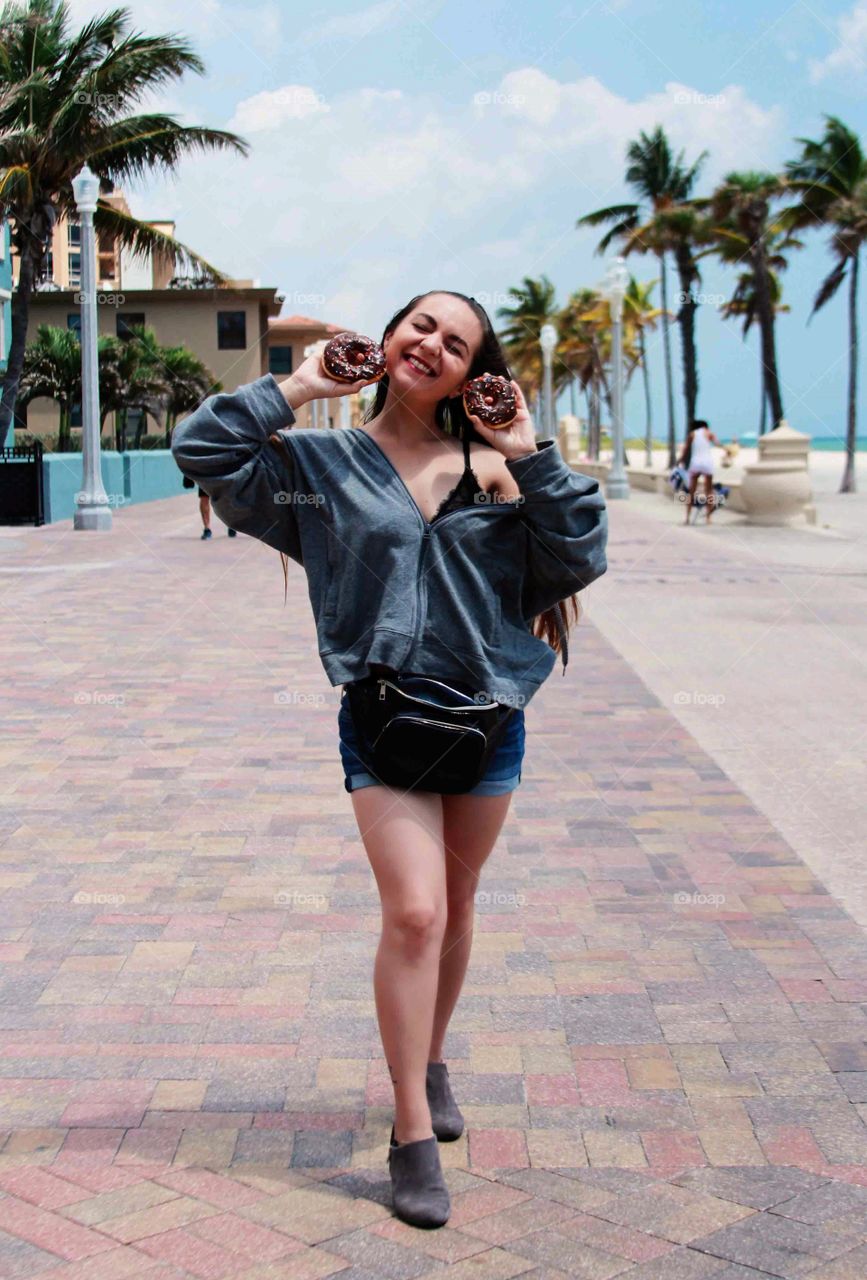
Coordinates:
[46,271]
[231,330]
[125,322]
[75,416]
[73,321]
[279,359]
[75,264]
[74,233]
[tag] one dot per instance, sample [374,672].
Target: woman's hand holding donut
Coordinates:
[518,437]
[311,382]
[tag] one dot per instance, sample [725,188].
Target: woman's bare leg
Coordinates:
[471,825]
[709,496]
[402,832]
[693,483]
[205,510]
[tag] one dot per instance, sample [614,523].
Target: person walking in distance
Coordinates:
[205,512]
[697,457]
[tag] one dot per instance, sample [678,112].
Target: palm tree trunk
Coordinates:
[763,416]
[20,314]
[648,410]
[573,403]
[765,311]
[848,482]
[686,320]
[666,344]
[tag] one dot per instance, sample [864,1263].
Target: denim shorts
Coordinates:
[503,773]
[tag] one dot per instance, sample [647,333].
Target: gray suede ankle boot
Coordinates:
[419,1192]
[446,1119]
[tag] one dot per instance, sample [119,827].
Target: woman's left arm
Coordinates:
[566,519]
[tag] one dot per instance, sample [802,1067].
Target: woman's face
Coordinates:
[429,353]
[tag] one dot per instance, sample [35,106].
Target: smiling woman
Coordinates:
[425,581]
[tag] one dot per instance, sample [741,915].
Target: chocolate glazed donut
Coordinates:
[491,398]
[349,357]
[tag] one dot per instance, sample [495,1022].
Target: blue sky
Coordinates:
[400,146]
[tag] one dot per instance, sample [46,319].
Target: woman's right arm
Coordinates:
[223,446]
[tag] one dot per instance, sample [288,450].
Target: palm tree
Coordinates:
[831,176]
[188,382]
[661,222]
[743,302]
[52,368]
[131,377]
[740,210]
[583,325]
[533,306]
[63,103]
[639,315]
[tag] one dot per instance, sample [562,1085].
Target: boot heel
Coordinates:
[446,1119]
[419,1192]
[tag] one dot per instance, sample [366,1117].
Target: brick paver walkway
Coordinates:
[660,1048]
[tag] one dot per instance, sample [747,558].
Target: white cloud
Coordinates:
[272,108]
[851,51]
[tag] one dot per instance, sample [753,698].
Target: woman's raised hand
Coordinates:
[311,382]
[515,440]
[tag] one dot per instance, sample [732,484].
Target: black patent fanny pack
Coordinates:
[416,731]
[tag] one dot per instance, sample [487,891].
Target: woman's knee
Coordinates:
[415,925]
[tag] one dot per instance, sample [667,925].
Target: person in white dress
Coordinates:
[697,457]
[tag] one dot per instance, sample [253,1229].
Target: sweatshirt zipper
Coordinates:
[425,543]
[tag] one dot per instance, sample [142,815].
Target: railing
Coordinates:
[22,492]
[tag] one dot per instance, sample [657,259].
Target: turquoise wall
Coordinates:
[139,475]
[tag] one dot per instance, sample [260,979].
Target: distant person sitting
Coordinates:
[697,457]
[205,509]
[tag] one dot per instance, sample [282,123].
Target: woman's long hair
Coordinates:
[450,417]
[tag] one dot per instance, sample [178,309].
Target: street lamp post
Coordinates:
[616,283]
[92,509]
[547,341]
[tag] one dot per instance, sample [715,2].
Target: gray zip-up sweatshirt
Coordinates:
[452,598]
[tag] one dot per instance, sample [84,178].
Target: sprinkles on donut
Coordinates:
[349,357]
[491,398]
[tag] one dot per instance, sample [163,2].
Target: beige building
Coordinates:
[235,329]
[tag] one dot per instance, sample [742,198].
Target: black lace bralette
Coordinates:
[466,493]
